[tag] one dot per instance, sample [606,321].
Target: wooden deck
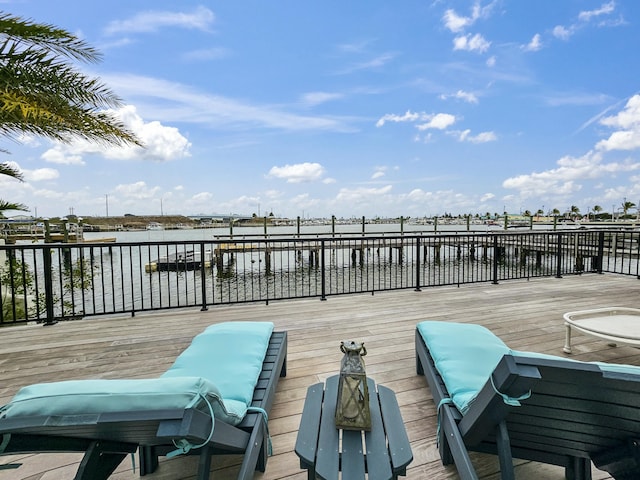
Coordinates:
[527,315]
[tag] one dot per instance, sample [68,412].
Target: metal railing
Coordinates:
[49,282]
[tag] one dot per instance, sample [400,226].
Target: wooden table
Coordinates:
[325,450]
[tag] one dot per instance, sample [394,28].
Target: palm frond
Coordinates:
[47,37]
[4,206]
[7,169]
[41,94]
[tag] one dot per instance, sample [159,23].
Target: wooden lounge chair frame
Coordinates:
[108,438]
[575,413]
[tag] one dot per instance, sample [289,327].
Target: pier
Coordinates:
[312,248]
[472,246]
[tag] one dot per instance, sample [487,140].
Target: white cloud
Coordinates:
[562,32]
[362,195]
[59,154]
[491,61]
[273,194]
[202,197]
[439,121]
[628,121]
[146,22]
[483,137]
[41,174]
[136,191]
[534,45]
[563,179]
[627,118]
[379,172]
[298,173]
[584,18]
[407,117]
[475,43]
[374,63]
[487,196]
[461,95]
[36,175]
[162,143]
[605,9]
[624,140]
[174,102]
[312,99]
[457,23]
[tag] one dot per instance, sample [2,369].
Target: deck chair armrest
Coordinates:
[489,408]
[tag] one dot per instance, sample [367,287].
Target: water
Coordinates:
[240,232]
[120,281]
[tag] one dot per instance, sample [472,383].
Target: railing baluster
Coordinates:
[48,286]
[89,280]
[323,272]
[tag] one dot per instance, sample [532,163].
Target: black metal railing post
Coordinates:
[418,289]
[496,256]
[11,288]
[323,272]
[637,256]
[203,277]
[559,256]
[600,255]
[48,286]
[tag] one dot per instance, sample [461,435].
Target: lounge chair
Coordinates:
[524,405]
[213,400]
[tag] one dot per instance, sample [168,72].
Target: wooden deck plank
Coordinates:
[527,315]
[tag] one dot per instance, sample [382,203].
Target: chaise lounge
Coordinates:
[524,405]
[214,399]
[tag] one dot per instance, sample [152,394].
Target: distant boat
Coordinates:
[155,226]
[179,261]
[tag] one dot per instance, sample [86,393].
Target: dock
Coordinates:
[527,315]
[41,237]
[474,246]
[178,262]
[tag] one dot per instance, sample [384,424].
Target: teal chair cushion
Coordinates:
[464,355]
[219,370]
[92,397]
[229,355]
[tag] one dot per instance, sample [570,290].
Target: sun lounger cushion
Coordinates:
[464,355]
[230,355]
[219,370]
[91,397]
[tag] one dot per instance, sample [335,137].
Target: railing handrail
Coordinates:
[46,282]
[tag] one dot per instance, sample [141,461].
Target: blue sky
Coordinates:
[360,108]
